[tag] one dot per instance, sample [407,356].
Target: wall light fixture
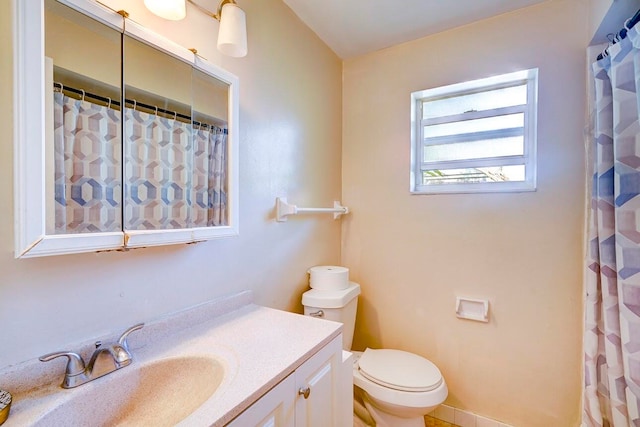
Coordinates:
[173,10]
[232,34]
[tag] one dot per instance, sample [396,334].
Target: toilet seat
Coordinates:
[399,370]
[412,399]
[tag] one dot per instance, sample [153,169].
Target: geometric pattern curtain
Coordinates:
[175,172]
[158,162]
[87,166]
[210,177]
[612,277]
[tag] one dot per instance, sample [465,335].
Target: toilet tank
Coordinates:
[339,306]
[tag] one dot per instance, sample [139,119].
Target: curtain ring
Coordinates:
[61,88]
[175,115]
[82,90]
[135,104]
[626,23]
[109,104]
[156,110]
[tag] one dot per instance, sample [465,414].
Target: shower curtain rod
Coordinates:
[135,103]
[620,35]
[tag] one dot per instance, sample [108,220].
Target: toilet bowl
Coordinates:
[397,388]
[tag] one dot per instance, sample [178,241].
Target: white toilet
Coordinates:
[397,388]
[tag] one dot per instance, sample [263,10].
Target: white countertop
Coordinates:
[258,346]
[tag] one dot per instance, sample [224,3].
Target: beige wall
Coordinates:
[290,136]
[413,254]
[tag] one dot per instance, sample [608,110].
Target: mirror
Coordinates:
[123,138]
[159,144]
[82,104]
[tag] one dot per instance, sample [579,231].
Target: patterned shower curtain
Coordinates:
[175,172]
[612,307]
[158,169]
[87,166]
[210,177]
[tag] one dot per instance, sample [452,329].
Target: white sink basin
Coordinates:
[160,393]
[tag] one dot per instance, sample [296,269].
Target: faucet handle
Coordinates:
[75,364]
[123,338]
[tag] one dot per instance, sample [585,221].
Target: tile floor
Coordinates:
[434,422]
[448,416]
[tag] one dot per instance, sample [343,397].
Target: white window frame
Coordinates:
[528,159]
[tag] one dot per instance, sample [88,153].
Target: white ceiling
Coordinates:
[356,27]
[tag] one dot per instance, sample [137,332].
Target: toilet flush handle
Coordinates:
[318,313]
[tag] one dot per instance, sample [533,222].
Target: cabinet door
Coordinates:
[274,409]
[321,376]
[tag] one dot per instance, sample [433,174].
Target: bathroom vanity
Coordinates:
[225,362]
[309,396]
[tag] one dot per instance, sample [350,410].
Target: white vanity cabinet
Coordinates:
[276,408]
[324,376]
[259,359]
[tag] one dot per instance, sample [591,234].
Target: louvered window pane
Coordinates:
[473,175]
[481,101]
[471,126]
[513,146]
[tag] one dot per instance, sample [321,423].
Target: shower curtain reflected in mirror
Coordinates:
[87,164]
[157,172]
[612,305]
[210,176]
[175,172]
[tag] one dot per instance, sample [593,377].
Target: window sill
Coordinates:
[518,187]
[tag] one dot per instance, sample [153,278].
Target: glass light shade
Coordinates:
[173,10]
[232,35]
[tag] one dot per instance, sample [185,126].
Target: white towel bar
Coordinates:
[284,209]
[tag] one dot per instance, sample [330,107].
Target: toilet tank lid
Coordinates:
[399,370]
[330,299]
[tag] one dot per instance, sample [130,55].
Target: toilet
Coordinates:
[397,388]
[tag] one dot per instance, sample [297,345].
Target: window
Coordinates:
[477,136]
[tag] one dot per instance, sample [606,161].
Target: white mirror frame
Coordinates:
[30,162]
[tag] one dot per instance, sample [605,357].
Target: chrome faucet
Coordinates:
[104,360]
